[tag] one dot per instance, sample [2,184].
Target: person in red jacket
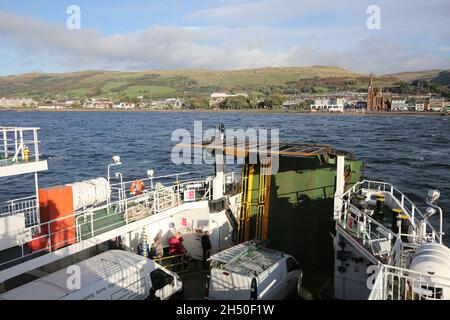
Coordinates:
[175,248]
[176,245]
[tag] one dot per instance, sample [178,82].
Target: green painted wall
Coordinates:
[301,215]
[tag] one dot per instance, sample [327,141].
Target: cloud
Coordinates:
[213,46]
[264,12]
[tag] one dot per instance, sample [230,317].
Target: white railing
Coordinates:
[394,283]
[176,178]
[94,221]
[363,227]
[407,206]
[18,145]
[26,206]
[377,291]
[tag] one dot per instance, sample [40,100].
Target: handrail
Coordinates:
[155,201]
[174,175]
[411,212]
[12,149]
[364,230]
[399,283]
[176,264]
[377,291]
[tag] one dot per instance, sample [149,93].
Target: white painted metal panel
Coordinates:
[23,168]
[12,231]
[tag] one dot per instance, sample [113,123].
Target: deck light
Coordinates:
[429,212]
[433,196]
[150,174]
[116,160]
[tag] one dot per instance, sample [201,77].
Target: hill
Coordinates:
[436,76]
[164,83]
[170,83]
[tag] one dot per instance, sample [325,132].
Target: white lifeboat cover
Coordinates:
[90,193]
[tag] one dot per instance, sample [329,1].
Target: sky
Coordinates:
[133,35]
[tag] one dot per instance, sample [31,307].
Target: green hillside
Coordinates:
[165,83]
[435,76]
[416,75]
[170,83]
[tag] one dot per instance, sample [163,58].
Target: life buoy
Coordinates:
[137,187]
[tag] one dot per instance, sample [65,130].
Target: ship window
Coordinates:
[291,265]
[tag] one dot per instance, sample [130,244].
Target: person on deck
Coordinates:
[156,250]
[206,246]
[175,245]
[176,248]
[143,249]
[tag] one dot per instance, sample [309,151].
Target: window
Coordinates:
[160,279]
[291,265]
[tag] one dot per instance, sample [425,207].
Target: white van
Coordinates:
[250,272]
[112,275]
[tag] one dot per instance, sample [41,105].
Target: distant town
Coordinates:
[374,100]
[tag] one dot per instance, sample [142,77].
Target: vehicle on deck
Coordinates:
[112,275]
[250,272]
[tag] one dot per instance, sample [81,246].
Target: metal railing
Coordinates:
[407,206]
[18,145]
[26,206]
[394,283]
[178,263]
[97,220]
[364,228]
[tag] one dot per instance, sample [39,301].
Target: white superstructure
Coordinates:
[386,248]
[80,218]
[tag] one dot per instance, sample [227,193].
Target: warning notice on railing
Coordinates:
[189,195]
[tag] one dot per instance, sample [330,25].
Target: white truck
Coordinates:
[250,272]
[112,275]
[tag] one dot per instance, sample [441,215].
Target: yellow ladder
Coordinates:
[246,199]
[262,215]
[262,218]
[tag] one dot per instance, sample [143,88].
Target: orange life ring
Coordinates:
[137,187]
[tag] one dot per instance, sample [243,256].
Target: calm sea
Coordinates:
[411,152]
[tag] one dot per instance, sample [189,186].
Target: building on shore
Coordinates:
[51,106]
[399,105]
[217,97]
[333,104]
[419,106]
[446,106]
[361,105]
[160,104]
[15,103]
[98,104]
[437,104]
[376,99]
[125,105]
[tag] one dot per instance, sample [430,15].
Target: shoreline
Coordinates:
[350,113]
